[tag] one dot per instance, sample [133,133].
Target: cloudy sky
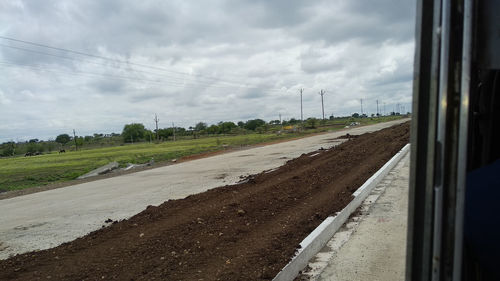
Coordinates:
[94,66]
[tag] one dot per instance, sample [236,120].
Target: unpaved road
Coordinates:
[247,231]
[47,219]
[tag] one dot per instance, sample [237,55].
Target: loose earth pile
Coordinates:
[247,231]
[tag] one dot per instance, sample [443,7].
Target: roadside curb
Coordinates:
[317,239]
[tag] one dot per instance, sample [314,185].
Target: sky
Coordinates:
[94,66]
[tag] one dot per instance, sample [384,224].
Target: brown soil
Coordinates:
[348,136]
[247,231]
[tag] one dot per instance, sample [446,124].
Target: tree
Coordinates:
[133,132]
[63,139]
[213,129]
[179,131]
[149,135]
[253,124]
[241,124]
[238,131]
[311,122]
[226,127]
[200,126]
[8,149]
[355,115]
[32,147]
[165,133]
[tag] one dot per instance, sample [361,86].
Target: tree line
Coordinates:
[137,132]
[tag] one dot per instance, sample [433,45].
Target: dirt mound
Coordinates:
[348,136]
[247,231]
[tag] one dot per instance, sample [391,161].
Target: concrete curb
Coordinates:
[317,239]
[101,170]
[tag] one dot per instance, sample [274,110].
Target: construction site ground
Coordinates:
[46,219]
[246,231]
[372,244]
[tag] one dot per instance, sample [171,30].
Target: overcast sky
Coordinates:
[192,61]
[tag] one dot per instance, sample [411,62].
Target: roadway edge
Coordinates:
[318,238]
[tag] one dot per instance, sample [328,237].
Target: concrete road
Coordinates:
[46,219]
[373,245]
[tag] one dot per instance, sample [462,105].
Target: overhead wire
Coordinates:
[129,69]
[176,79]
[172,80]
[115,60]
[187,84]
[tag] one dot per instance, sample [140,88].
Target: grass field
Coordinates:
[24,172]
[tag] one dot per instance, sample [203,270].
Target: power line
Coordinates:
[111,59]
[77,73]
[173,80]
[107,65]
[128,78]
[130,69]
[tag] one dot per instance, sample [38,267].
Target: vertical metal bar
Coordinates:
[423,136]
[462,138]
[441,138]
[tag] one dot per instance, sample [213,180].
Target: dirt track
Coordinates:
[247,231]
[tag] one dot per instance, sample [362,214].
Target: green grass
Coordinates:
[24,172]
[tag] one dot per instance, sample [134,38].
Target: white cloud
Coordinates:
[209,61]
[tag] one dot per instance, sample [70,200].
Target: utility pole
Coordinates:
[301,113]
[384,109]
[321,93]
[74,137]
[377,109]
[173,129]
[156,121]
[361,106]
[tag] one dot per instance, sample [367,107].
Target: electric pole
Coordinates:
[321,93]
[156,121]
[361,106]
[384,109]
[74,137]
[301,114]
[377,109]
